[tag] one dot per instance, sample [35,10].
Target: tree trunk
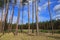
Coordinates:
[5,16]
[17,20]
[22,16]
[11,19]
[33,16]
[36,11]
[2,21]
[28,19]
[50,15]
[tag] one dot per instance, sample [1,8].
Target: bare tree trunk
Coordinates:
[17,20]
[47,26]
[50,15]
[28,19]
[5,16]
[11,19]
[22,16]
[44,26]
[37,30]
[33,16]
[2,20]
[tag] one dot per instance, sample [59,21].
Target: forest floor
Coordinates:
[25,36]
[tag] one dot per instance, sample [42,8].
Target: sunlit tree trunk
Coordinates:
[17,24]
[36,11]
[11,18]
[22,16]
[28,18]
[33,16]
[5,16]
[50,15]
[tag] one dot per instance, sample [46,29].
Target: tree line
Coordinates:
[42,25]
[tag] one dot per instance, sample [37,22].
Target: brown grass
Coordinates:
[23,36]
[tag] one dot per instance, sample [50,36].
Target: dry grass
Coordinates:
[23,36]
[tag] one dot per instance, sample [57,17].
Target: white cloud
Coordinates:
[39,8]
[30,1]
[44,6]
[9,14]
[57,10]
[14,19]
[57,7]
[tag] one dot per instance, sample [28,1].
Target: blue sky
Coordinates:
[43,14]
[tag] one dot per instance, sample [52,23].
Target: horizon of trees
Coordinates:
[42,25]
